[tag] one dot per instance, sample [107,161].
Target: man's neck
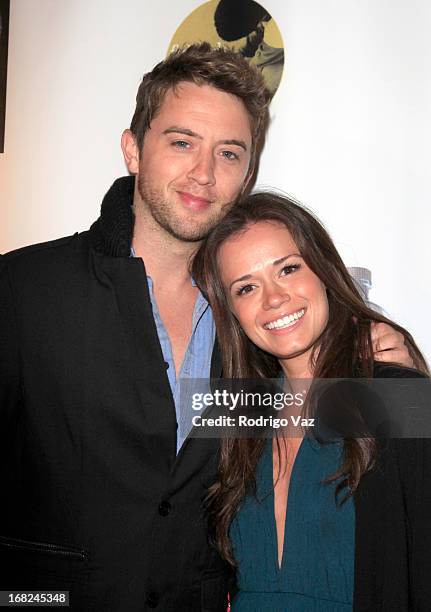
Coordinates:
[167,263]
[166,258]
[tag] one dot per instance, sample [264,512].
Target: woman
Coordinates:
[284,303]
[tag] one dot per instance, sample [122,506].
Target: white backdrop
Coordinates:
[350,137]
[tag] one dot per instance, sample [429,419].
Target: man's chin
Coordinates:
[184,223]
[190,227]
[189,234]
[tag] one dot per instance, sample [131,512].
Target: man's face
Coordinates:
[195,159]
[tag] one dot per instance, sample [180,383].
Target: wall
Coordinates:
[350,135]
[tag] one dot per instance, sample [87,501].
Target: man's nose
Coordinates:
[202,170]
[274,296]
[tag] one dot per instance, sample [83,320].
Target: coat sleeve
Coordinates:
[9,358]
[414,460]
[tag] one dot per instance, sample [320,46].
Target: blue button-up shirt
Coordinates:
[197,359]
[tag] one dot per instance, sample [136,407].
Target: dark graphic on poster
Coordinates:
[4,37]
[244,25]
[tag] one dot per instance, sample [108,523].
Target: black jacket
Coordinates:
[94,498]
[393,524]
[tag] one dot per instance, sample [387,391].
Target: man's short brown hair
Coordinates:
[202,64]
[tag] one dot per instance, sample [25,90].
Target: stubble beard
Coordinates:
[183,229]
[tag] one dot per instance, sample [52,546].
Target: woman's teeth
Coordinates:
[285,321]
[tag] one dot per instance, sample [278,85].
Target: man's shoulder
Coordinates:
[32,251]
[55,265]
[45,255]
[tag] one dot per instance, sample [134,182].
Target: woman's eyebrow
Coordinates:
[241,278]
[279,261]
[274,263]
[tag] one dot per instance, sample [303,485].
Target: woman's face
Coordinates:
[279,302]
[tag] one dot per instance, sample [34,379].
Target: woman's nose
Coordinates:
[274,296]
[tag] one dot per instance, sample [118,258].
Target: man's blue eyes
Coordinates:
[230,155]
[183,144]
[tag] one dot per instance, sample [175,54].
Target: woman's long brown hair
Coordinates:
[344,347]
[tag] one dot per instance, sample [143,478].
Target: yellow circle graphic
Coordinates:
[244,25]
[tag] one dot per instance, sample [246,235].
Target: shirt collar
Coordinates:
[133,254]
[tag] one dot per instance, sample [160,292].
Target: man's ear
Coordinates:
[130,151]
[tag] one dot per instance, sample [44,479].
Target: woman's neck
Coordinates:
[299,367]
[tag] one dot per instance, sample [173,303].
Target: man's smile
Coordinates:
[194,202]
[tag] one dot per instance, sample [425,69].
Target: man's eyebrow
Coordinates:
[274,263]
[238,143]
[175,129]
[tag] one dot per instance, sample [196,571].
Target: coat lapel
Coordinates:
[127,278]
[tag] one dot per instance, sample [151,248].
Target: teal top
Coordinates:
[317,569]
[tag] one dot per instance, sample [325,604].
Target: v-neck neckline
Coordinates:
[279,565]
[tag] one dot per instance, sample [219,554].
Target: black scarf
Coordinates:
[112,233]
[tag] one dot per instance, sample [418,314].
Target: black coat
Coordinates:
[393,524]
[94,498]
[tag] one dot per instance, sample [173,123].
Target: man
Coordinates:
[100,498]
